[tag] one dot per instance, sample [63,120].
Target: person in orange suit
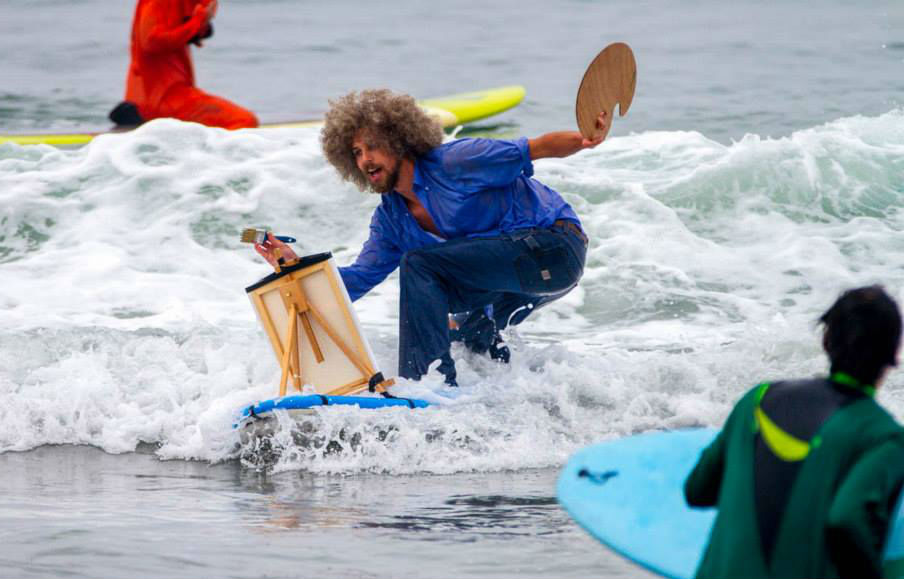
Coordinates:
[161,80]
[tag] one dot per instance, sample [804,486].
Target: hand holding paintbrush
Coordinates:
[273,248]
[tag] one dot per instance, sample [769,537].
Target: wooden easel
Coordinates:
[299,286]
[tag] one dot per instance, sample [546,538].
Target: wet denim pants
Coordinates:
[513,273]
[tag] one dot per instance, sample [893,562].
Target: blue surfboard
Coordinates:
[627,493]
[265,408]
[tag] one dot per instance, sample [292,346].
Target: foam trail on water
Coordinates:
[124,318]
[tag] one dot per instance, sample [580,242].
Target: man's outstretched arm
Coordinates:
[565,143]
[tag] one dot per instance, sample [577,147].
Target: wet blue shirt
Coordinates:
[470,188]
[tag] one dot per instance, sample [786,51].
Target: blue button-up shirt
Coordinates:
[470,188]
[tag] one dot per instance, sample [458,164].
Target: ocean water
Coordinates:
[758,174]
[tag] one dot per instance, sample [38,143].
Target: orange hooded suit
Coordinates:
[161,81]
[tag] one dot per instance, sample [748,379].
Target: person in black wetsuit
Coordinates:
[806,474]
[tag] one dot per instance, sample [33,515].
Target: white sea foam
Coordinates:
[124,318]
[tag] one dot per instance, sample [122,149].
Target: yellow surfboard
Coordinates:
[450,111]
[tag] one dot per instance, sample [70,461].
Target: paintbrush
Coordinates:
[252,235]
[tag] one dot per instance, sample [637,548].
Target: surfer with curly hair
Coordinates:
[479,243]
[806,474]
[161,79]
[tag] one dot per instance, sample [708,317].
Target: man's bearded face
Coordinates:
[378,165]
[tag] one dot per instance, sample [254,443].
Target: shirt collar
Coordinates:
[417,177]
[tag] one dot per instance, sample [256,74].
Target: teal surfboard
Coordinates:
[627,493]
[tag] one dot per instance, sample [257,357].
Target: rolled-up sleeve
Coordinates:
[481,163]
[378,258]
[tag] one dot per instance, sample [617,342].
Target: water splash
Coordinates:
[124,320]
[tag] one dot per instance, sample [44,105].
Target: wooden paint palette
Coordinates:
[610,79]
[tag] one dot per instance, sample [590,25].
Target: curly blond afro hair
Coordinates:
[394,120]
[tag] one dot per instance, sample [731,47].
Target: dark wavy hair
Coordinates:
[394,120]
[862,333]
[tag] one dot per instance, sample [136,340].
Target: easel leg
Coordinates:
[351,355]
[291,351]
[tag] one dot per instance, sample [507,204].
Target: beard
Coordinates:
[389,180]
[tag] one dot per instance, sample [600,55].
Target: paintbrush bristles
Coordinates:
[251,235]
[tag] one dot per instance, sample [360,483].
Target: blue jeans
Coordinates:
[513,273]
